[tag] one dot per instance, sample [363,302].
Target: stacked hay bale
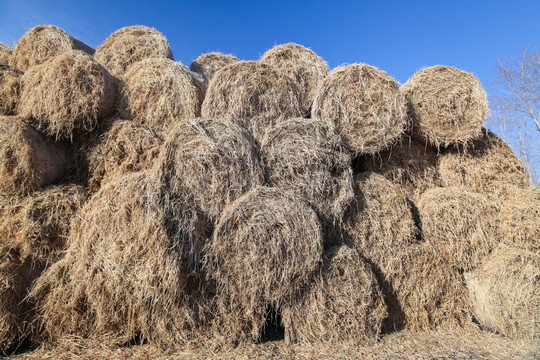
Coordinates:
[10,79]
[207,65]
[5,53]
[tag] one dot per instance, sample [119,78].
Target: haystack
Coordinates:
[447,105]
[302,65]
[10,80]
[343,305]
[253,95]
[129,45]
[27,160]
[461,224]
[158,94]
[209,64]
[505,292]
[265,248]
[301,155]
[67,94]
[5,53]
[42,43]
[364,105]
[213,162]
[486,166]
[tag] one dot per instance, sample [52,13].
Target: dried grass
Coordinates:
[302,65]
[42,43]
[344,305]
[447,105]
[11,289]
[365,106]
[5,53]
[67,94]
[207,65]
[253,95]
[129,45]
[10,81]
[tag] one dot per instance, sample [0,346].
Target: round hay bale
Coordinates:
[254,95]
[5,53]
[505,292]
[158,94]
[447,105]
[10,81]
[27,160]
[486,166]
[301,155]
[302,65]
[462,225]
[67,94]
[265,248]
[209,64]
[364,105]
[343,305]
[213,162]
[129,45]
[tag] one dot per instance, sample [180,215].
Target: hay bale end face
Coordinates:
[447,105]
[5,53]
[42,43]
[10,80]
[129,45]
[207,65]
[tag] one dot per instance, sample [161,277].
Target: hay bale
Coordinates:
[487,166]
[302,65]
[343,305]
[67,94]
[207,65]
[265,248]
[5,53]
[27,160]
[364,105]
[10,298]
[505,292]
[447,105]
[129,45]
[462,225]
[158,94]
[213,162]
[42,43]
[10,80]
[301,155]
[253,95]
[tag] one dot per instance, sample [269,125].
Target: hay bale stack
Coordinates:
[5,53]
[343,305]
[253,95]
[265,248]
[213,162]
[486,166]
[158,94]
[129,45]
[302,65]
[42,43]
[364,105]
[28,161]
[303,156]
[459,223]
[207,65]
[447,105]
[505,292]
[10,81]
[67,94]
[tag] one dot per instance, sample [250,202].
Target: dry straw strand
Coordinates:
[207,65]
[10,81]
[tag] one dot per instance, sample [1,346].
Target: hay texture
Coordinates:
[158,94]
[253,95]
[505,292]
[302,65]
[213,162]
[364,105]
[207,65]
[27,160]
[10,81]
[447,105]
[343,305]
[42,43]
[461,224]
[303,156]
[486,166]
[5,53]
[67,94]
[265,248]
[129,45]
